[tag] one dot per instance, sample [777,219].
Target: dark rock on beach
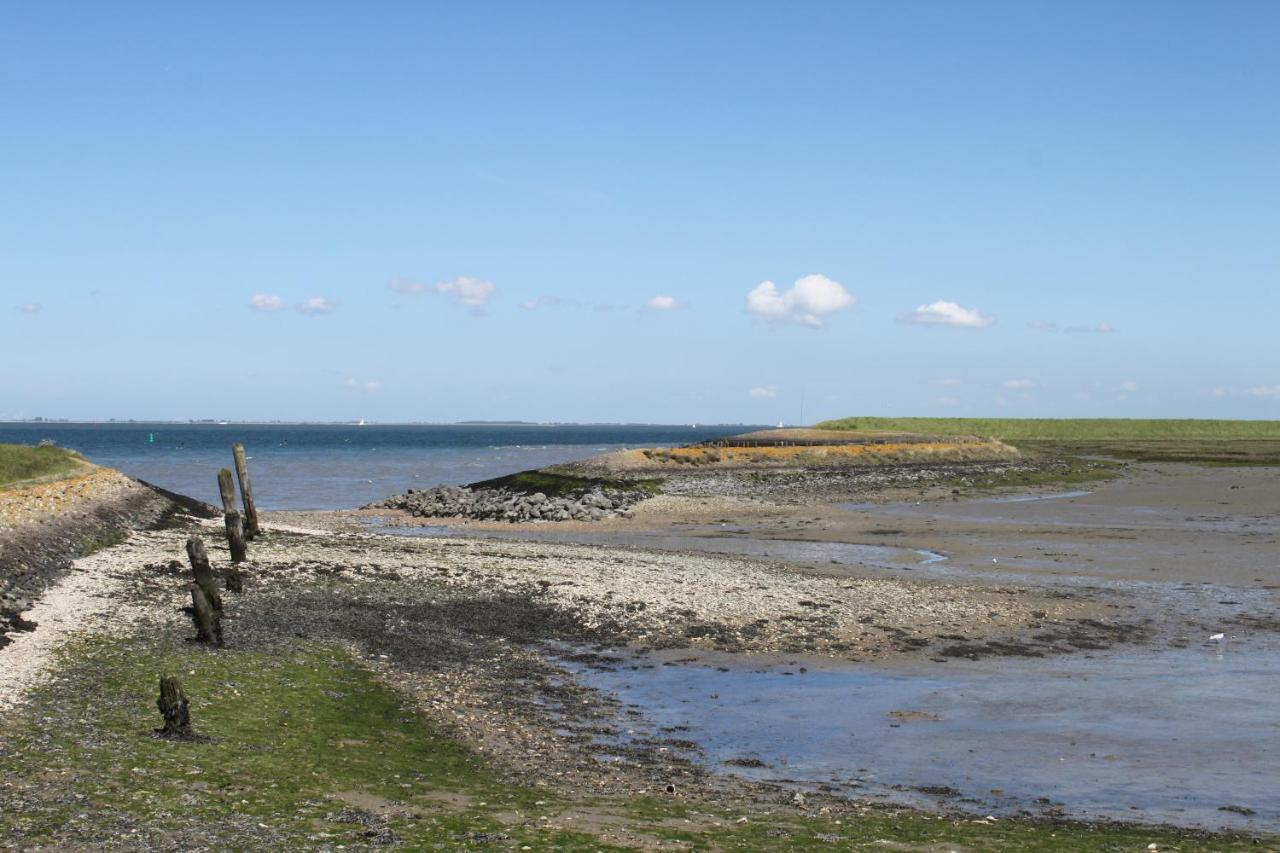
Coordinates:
[501,504]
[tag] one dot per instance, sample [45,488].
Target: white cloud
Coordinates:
[948,382]
[1263,391]
[407,285]
[263,302]
[943,313]
[810,300]
[471,292]
[1050,326]
[1260,391]
[1019,384]
[1128,387]
[369,385]
[1097,329]
[664,303]
[317,305]
[764,392]
[31,308]
[947,401]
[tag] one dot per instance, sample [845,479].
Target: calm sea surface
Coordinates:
[335,467]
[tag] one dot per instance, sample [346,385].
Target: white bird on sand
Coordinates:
[994,560]
[1216,636]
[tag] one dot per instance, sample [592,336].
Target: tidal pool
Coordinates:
[1161,737]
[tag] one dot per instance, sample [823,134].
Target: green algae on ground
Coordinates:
[1066,471]
[304,748]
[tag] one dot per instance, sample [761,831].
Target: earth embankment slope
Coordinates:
[49,520]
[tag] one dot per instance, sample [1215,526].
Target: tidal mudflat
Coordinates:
[775,673]
[1157,720]
[1188,737]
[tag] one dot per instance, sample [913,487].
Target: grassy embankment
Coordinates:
[1212,442]
[21,463]
[306,748]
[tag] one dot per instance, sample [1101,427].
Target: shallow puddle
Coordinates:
[1051,496]
[1167,737]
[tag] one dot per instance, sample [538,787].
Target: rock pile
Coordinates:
[590,504]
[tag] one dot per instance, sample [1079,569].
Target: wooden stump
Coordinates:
[246,491]
[206,603]
[207,618]
[175,709]
[235,537]
[202,571]
[227,490]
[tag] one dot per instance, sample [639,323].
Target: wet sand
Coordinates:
[1167,724]
[1167,523]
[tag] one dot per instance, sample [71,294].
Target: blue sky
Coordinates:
[568,211]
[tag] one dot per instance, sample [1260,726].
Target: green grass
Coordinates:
[19,462]
[101,540]
[302,740]
[1071,429]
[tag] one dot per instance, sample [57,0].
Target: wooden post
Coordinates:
[175,709]
[246,491]
[202,571]
[206,603]
[207,618]
[235,523]
[235,537]
[227,489]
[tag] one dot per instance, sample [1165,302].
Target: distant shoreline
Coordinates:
[207,422]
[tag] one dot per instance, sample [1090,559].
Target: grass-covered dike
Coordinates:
[20,463]
[1071,429]
[305,748]
[1206,442]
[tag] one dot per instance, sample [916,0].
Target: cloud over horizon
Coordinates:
[1258,391]
[944,313]
[31,308]
[467,291]
[472,292]
[808,302]
[664,303]
[265,302]
[764,392]
[1052,327]
[317,305]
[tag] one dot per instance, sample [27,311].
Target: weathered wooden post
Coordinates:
[227,489]
[246,491]
[235,523]
[175,709]
[235,537]
[206,603]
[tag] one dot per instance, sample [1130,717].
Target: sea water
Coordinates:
[332,466]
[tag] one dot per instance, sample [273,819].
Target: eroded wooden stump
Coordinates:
[175,709]
[206,603]
[235,537]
